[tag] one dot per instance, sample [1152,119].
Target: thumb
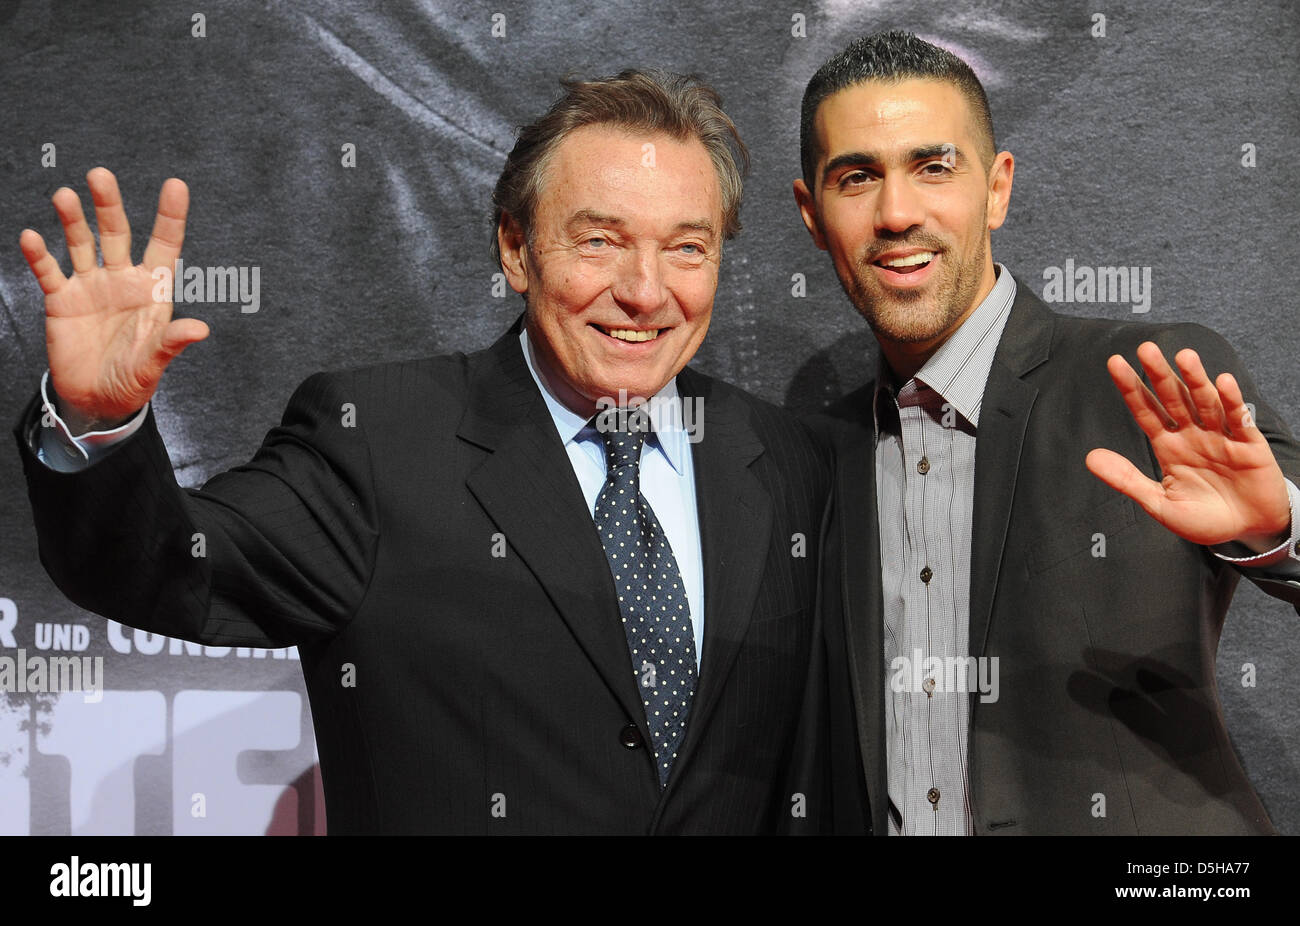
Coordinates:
[1122,476]
[179,334]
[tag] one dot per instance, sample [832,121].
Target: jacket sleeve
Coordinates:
[272,553]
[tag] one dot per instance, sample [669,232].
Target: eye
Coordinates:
[595,243]
[936,168]
[854,178]
[691,249]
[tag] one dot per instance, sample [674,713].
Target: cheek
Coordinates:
[568,287]
[847,219]
[581,284]
[845,252]
[966,219]
[696,299]
[843,243]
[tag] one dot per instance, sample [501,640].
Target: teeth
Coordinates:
[631,334]
[912,261]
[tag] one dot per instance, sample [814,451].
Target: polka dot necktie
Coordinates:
[651,598]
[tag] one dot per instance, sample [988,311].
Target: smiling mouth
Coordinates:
[629,334]
[909,264]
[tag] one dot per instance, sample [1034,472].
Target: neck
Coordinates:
[555,384]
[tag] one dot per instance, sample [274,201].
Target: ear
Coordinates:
[514,253]
[1000,174]
[808,211]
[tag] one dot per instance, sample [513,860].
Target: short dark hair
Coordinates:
[680,106]
[889,56]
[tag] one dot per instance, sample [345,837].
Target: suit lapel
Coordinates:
[863,605]
[735,513]
[1004,418]
[528,488]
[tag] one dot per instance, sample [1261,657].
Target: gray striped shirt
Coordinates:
[925,487]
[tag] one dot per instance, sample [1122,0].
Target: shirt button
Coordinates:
[630,736]
[923,467]
[926,575]
[932,795]
[1297,548]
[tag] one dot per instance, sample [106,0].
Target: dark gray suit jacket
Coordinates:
[480,683]
[1106,663]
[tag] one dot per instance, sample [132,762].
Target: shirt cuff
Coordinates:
[56,447]
[1282,561]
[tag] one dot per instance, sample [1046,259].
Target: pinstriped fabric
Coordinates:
[483,680]
[925,485]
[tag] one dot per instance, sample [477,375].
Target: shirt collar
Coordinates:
[959,370]
[669,435]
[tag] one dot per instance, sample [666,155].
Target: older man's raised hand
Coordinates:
[108,338]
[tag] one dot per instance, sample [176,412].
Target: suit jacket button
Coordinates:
[630,736]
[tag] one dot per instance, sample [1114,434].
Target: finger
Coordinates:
[1209,408]
[114,230]
[168,226]
[44,267]
[1122,476]
[1239,416]
[1169,389]
[81,243]
[1146,410]
[179,334]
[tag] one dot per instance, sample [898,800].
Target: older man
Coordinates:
[561,585]
[1020,648]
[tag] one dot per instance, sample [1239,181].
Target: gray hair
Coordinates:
[681,107]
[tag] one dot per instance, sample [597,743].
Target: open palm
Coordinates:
[1221,482]
[108,339]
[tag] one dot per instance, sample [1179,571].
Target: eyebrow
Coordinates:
[866,158]
[699,225]
[592,217]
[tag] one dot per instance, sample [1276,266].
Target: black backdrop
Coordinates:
[1133,149]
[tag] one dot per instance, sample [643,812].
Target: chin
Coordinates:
[632,392]
[641,386]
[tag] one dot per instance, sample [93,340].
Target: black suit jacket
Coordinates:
[1106,664]
[454,690]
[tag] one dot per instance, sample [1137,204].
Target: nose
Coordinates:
[898,207]
[639,283]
